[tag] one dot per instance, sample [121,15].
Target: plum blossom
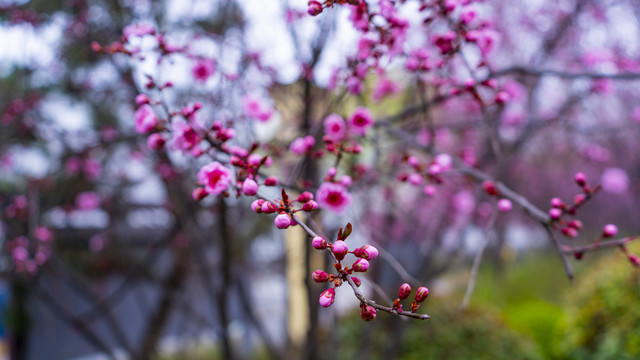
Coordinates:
[185,138]
[333,197]
[255,109]
[615,181]
[145,119]
[327,297]
[203,69]
[361,121]
[215,177]
[335,127]
[138,30]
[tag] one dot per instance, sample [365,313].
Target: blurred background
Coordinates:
[105,255]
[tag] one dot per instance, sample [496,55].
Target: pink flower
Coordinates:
[333,197]
[215,177]
[335,127]
[327,297]
[255,109]
[383,88]
[146,119]
[615,180]
[361,121]
[301,145]
[88,200]
[203,69]
[184,137]
[138,30]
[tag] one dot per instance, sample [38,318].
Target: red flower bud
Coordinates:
[304,197]
[356,281]
[315,8]
[199,194]
[271,181]
[421,294]
[320,276]
[404,291]
[310,206]
[581,179]
[367,312]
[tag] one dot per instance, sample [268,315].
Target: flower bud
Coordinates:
[356,281]
[254,160]
[327,297]
[236,161]
[256,205]
[268,207]
[304,197]
[366,252]
[340,249]
[555,213]
[576,224]
[367,313]
[310,206]
[569,232]
[361,265]
[490,187]
[283,220]
[315,8]
[155,141]
[557,203]
[421,294]
[504,205]
[404,291]
[609,230]
[320,276]
[271,181]
[579,199]
[199,194]
[414,179]
[249,187]
[581,179]
[319,243]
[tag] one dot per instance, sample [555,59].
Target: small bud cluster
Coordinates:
[559,209]
[285,208]
[403,293]
[340,249]
[503,204]
[431,172]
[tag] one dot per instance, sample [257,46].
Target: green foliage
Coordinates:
[476,333]
[603,312]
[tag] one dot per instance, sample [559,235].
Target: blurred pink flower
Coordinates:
[361,121]
[335,127]
[145,119]
[615,181]
[255,109]
[203,69]
[88,200]
[333,197]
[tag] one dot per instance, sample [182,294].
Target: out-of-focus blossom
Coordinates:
[333,197]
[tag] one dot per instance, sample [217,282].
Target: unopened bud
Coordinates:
[327,297]
[421,294]
[310,206]
[404,291]
[367,312]
[320,276]
[199,194]
[340,249]
[609,230]
[581,179]
[283,220]
[366,252]
[271,181]
[361,265]
[319,243]
[304,197]
[249,187]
